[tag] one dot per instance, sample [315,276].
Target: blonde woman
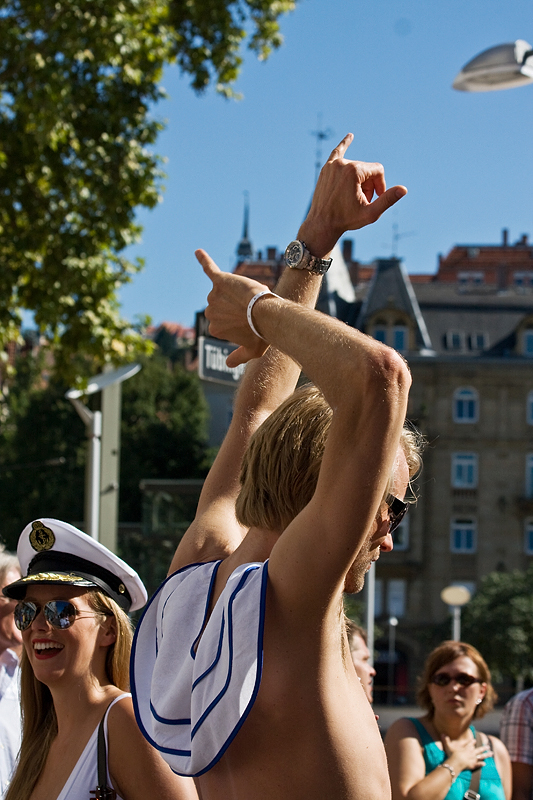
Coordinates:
[71,611]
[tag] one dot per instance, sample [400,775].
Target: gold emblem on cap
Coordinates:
[56,577]
[41,537]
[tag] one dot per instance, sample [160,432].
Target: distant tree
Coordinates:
[164,418]
[43,445]
[77,81]
[499,622]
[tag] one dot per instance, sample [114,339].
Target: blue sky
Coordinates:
[381,69]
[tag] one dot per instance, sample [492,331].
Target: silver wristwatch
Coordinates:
[297,256]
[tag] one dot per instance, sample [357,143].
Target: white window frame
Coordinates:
[460,463]
[528,536]
[461,341]
[477,336]
[467,524]
[470,395]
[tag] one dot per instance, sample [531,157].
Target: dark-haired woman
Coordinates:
[72,612]
[437,756]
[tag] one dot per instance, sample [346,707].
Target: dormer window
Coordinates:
[394,332]
[455,340]
[479,340]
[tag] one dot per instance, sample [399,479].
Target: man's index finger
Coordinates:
[339,151]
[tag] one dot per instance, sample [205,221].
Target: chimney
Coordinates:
[347,250]
[505,237]
[271,253]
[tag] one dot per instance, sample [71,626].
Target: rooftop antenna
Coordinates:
[321,135]
[396,236]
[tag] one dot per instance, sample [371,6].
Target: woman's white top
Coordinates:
[84,777]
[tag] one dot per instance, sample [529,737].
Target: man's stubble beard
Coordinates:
[355,578]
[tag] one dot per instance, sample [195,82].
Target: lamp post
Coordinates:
[393,622]
[502,67]
[103,428]
[455,597]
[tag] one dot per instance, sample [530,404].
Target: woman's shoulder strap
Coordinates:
[422,731]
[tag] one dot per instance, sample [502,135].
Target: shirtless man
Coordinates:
[315,479]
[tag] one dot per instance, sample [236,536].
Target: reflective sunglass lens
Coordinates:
[25,613]
[443,679]
[60,613]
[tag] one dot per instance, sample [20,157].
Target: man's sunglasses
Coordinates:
[397,511]
[443,679]
[59,613]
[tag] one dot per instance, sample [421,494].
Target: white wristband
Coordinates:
[251,304]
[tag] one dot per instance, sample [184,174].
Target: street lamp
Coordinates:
[393,621]
[502,67]
[455,597]
[103,429]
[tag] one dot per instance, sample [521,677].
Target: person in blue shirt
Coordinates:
[435,756]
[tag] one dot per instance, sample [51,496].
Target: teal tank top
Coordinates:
[490,785]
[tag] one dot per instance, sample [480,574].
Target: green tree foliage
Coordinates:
[164,418]
[77,80]
[43,444]
[499,622]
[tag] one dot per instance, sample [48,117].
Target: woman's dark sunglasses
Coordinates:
[397,511]
[443,679]
[59,613]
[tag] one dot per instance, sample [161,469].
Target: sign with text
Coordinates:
[212,354]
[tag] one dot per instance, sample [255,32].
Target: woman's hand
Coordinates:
[465,755]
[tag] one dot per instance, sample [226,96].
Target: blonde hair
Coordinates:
[444,654]
[280,467]
[39,721]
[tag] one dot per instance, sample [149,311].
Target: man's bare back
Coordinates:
[310,731]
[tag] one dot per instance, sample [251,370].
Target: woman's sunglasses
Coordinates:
[397,511]
[443,679]
[59,613]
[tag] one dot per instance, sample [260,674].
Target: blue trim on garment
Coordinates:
[206,611]
[259,673]
[168,721]
[242,582]
[217,655]
[132,659]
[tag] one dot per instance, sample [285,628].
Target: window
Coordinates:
[522,279]
[464,470]
[528,342]
[399,338]
[528,537]
[529,475]
[463,536]
[455,340]
[529,408]
[380,334]
[465,405]
[401,535]
[396,591]
[479,341]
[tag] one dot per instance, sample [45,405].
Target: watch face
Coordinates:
[294,253]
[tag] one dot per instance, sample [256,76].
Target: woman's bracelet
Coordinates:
[450,770]
[251,305]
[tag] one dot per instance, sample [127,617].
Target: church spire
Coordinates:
[244,248]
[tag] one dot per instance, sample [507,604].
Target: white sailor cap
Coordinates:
[54,552]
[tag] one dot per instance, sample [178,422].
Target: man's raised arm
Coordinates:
[342,201]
